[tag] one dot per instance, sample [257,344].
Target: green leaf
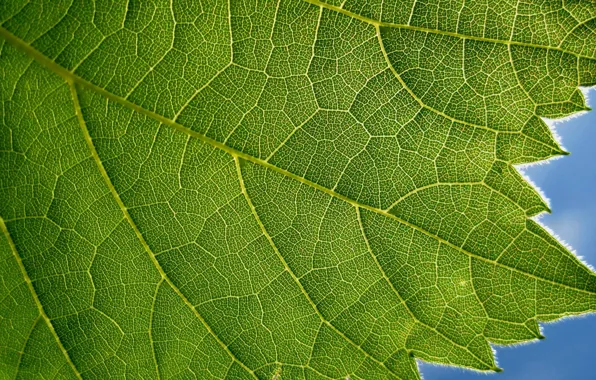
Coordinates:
[281,189]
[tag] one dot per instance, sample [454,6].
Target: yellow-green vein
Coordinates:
[289,270]
[128,218]
[403,302]
[378,23]
[40,308]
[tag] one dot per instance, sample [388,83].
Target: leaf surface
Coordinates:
[281,189]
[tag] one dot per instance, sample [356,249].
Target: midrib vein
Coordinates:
[124,209]
[72,78]
[40,308]
[378,23]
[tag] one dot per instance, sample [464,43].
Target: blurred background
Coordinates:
[569,350]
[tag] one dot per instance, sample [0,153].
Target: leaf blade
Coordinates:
[177,226]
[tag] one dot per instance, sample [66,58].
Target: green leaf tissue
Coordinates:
[281,189]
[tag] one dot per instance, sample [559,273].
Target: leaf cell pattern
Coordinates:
[281,189]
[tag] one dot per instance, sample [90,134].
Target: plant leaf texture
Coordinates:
[281,189]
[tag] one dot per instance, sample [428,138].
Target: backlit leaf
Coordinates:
[281,189]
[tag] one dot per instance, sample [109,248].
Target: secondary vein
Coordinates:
[289,270]
[401,299]
[378,23]
[130,221]
[40,308]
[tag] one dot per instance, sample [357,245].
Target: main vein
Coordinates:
[73,78]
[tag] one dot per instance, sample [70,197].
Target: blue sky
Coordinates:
[568,352]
